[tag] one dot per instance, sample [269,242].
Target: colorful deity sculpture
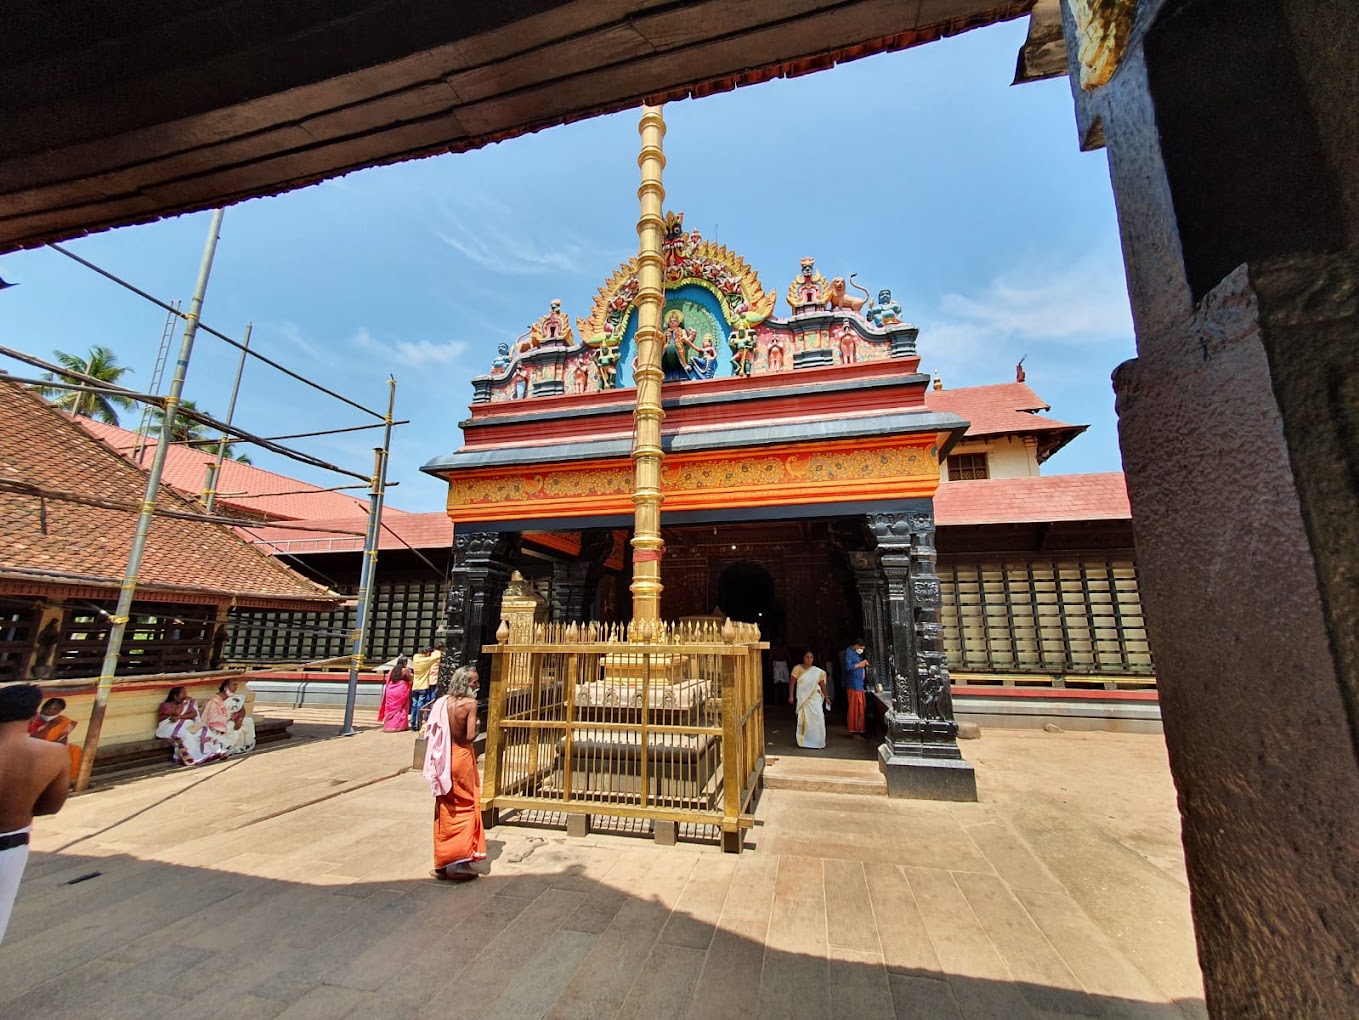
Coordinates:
[886,312]
[774,354]
[606,357]
[519,381]
[580,377]
[502,359]
[742,343]
[847,340]
[700,359]
[809,292]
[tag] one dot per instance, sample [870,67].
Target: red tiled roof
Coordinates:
[1092,497]
[241,486]
[1004,407]
[63,542]
[419,531]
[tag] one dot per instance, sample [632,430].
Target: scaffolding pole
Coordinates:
[368,573]
[215,469]
[128,589]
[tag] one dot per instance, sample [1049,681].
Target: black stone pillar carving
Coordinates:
[868,581]
[920,756]
[575,583]
[482,562]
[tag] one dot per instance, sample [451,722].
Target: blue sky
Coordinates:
[922,171]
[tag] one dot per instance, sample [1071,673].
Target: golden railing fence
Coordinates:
[666,724]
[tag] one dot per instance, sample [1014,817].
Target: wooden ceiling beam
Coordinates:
[167,112]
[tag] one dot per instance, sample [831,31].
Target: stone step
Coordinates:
[817,774]
[811,783]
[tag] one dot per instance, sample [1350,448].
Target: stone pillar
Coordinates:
[482,563]
[1230,130]
[868,581]
[575,583]
[920,756]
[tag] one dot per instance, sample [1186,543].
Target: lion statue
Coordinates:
[837,298]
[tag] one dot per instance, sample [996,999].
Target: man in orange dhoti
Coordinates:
[451,769]
[855,667]
[50,724]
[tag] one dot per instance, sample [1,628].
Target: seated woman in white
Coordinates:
[224,713]
[177,721]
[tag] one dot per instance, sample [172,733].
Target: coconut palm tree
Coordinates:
[101,364]
[184,430]
[192,433]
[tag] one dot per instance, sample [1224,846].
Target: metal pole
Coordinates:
[368,574]
[647,545]
[215,471]
[121,614]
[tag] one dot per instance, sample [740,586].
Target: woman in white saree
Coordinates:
[809,692]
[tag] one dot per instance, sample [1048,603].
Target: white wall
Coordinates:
[1007,456]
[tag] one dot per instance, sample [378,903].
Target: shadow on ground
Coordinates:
[119,936]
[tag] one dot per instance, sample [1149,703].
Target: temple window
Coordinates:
[967,467]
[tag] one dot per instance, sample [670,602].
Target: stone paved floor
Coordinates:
[292,884]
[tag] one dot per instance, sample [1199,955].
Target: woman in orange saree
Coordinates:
[50,724]
[451,769]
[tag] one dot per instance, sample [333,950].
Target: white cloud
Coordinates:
[1079,303]
[488,236]
[294,336]
[410,352]
[1042,308]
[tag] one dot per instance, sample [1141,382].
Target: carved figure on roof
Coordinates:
[553,329]
[606,358]
[809,292]
[742,343]
[683,352]
[774,358]
[838,299]
[502,359]
[886,312]
[847,339]
[581,377]
[689,259]
[519,381]
[675,246]
[699,359]
[675,333]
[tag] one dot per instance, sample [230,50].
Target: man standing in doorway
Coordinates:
[855,665]
[34,778]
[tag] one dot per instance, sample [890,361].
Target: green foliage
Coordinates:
[192,433]
[102,364]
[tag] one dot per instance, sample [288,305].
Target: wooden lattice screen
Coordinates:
[18,631]
[405,616]
[158,639]
[1061,616]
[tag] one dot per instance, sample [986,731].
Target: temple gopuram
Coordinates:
[800,462]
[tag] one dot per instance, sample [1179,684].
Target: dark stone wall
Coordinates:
[1230,131]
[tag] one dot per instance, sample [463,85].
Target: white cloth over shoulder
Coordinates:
[12,862]
[438,768]
[811,715]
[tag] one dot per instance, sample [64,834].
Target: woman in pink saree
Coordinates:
[394,711]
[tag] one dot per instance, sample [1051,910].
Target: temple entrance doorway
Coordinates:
[745,592]
[792,578]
